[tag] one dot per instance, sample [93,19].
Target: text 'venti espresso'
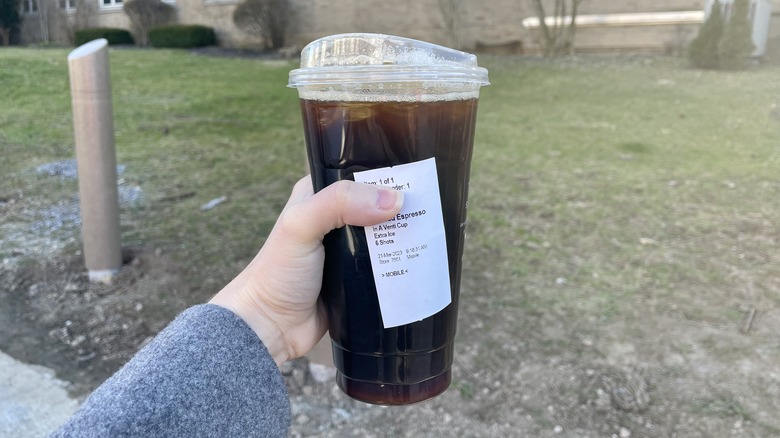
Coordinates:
[384,233]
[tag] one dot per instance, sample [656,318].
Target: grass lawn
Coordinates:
[216,127]
[631,178]
[614,201]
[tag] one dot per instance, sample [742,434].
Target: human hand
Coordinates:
[277,293]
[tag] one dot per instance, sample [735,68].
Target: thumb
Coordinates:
[307,217]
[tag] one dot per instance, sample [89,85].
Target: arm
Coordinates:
[212,371]
[206,374]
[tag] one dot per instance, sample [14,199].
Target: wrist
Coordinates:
[269,333]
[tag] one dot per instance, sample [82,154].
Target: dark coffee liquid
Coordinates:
[412,362]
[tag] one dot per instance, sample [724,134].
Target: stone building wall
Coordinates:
[487,24]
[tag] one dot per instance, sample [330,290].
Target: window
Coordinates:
[68,5]
[111,4]
[29,7]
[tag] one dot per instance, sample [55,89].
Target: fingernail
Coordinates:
[389,199]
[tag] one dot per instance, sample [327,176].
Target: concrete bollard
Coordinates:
[93,126]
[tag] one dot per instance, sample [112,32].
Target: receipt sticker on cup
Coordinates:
[409,251]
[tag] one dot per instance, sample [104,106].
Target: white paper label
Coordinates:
[409,252]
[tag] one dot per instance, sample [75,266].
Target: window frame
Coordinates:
[29,7]
[113,5]
[67,5]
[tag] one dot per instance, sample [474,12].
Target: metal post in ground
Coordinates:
[93,126]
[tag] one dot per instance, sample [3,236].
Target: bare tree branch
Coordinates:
[267,19]
[452,12]
[146,14]
[558,36]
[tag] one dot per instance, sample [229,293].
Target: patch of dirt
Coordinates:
[53,316]
[698,362]
[517,372]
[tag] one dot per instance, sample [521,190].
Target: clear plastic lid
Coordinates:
[360,58]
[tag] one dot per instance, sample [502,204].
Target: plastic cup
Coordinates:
[404,110]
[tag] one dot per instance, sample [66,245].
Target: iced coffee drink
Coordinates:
[400,113]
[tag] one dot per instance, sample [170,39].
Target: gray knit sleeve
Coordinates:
[206,374]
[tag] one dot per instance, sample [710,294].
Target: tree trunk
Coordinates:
[572,27]
[547,38]
[5,34]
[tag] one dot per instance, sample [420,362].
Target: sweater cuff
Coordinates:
[206,374]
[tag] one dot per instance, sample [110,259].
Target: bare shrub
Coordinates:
[557,38]
[267,19]
[76,19]
[453,13]
[146,14]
